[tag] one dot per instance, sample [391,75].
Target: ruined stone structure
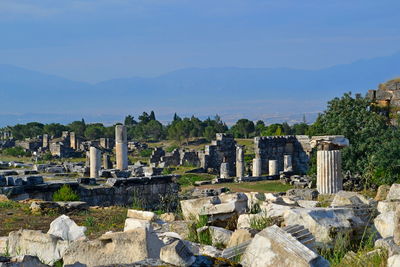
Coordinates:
[222,149]
[31,145]
[95,162]
[224,170]
[287,163]
[257,167]
[276,147]
[72,140]
[107,143]
[107,164]
[45,141]
[121,147]
[156,155]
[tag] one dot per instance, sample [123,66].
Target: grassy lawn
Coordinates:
[263,186]
[15,216]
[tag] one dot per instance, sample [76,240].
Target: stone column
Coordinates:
[287,163]
[45,141]
[224,170]
[121,147]
[329,171]
[95,162]
[273,167]
[107,164]
[257,167]
[72,140]
[239,161]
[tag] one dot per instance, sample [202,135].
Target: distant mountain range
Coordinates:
[270,94]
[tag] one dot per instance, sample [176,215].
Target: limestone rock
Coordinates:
[323,222]
[240,236]
[177,254]
[384,224]
[132,224]
[3,198]
[275,247]
[3,244]
[309,204]
[115,248]
[393,261]
[66,229]
[382,192]
[396,230]
[47,247]
[305,194]
[394,192]
[220,236]
[346,198]
[168,217]
[141,215]
[210,251]
[387,206]
[389,245]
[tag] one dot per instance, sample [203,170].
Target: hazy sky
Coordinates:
[102,39]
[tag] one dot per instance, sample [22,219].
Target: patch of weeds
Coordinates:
[90,221]
[203,237]
[65,193]
[137,201]
[58,263]
[261,221]
[190,179]
[145,153]
[219,246]
[9,204]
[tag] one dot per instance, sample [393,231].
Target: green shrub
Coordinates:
[189,179]
[146,153]
[261,222]
[171,148]
[65,193]
[16,151]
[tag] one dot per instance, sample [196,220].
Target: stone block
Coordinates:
[220,236]
[394,192]
[275,247]
[66,229]
[177,254]
[14,181]
[132,224]
[141,215]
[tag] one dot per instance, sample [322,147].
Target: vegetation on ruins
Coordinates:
[16,151]
[65,193]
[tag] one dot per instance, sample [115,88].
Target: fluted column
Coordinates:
[287,163]
[95,162]
[257,167]
[329,171]
[239,162]
[273,167]
[121,147]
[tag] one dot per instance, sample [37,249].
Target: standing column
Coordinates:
[95,162]
[287,163]
[45,141]
[273,167]
[72,140]
[257,167]
[107,164]
[239,161]
[224,170]
[121,147]
[329,171]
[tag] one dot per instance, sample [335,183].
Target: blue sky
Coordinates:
[98,40]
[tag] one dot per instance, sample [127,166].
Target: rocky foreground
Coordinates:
[231,229]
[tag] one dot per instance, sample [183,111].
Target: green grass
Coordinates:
[189,179]
[267,187]
[65,193]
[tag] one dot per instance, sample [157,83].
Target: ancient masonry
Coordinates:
[95,162]
[295,149]
[121,147]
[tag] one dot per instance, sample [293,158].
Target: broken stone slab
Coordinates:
[177,253]
[115,248]
[66,229]
[141,215]
[387,206]
[324,223]
[132,224]
[220,236]
[210,251]
[346,198]
[168,217]
[3,181]
[304,194]
[231,253]
[33,180]
[47,247]
[309,204]
[275,247]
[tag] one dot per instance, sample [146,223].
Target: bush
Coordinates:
[16,152]
[65,193]
[171,148]
[189,179]
[145,153]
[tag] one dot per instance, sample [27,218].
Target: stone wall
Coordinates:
[120,191]
[276,147]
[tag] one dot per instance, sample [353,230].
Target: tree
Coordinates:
[243,128]
[129,120]
[176,118]
[78,127]
[54,129]
[94,131]
[144,118]
[367,131]
[152,116]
